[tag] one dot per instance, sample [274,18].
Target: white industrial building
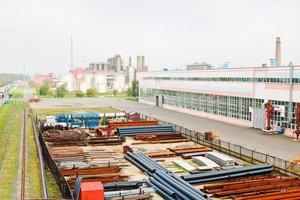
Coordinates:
[230,95]
[108,76]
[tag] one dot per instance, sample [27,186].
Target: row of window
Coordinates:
[234,107]
[228,79]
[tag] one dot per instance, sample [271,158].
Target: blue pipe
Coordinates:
[226,177]
[190,194]
[161,192]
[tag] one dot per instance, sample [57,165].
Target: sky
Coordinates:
[35,35]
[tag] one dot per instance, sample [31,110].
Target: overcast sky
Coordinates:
[36,33]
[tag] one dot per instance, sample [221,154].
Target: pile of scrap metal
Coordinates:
[188,151]
[138,130]
[167,184]
[84,157]
[104,174]
[79,136]
[269,187]
[159,139]
[65,136]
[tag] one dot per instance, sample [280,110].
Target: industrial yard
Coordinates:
[132,157]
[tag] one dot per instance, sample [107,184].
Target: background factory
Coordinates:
[112,75]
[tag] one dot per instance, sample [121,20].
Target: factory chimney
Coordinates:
[129,64]
[138,62]
[143,62]
[278,52]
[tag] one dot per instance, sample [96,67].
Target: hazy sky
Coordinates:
[36,33]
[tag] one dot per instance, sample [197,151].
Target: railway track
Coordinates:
[23,169]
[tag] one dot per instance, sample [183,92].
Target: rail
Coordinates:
[59,178]
[23,167]
[41,159]
[235,150]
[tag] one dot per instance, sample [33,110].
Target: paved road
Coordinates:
[280,146]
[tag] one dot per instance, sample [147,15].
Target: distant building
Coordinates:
[198,66]
[103,76]
[39,79]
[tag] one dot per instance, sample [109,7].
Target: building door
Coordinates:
[159,100]
[259,117]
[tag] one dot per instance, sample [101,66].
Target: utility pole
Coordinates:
[71,55]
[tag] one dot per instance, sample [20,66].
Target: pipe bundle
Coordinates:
[132,131]
[228,174]
[168,185]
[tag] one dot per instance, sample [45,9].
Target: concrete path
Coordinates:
[280,146]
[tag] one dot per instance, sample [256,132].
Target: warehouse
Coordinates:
[236,95]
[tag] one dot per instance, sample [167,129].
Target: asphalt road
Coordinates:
[280,146]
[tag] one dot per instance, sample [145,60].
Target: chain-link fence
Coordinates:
[237,151]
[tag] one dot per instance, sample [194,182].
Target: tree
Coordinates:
[44,89]
[115,92]
[79,93]
[91,92]
[61,91]
[135,88]
[129,92]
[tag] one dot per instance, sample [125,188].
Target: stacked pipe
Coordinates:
[168,185]
[135,123]
[132,131]
[228,174]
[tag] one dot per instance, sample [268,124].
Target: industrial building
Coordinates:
[104,76]
[233,95]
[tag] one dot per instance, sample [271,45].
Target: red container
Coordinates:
[91,191]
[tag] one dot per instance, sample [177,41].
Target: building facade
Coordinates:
[235,96]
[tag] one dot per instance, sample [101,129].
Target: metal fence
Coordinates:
[234,150]
[59,178]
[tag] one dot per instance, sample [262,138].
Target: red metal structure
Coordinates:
[91,191]
[269,113]
[297,131]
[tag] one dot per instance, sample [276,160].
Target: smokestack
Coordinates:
[278,52]
[143,62]
[118,63]
[129,61]
[138,62]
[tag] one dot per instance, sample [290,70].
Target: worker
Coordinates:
[297,132]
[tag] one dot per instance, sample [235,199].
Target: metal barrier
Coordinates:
[237,151]
[59,178]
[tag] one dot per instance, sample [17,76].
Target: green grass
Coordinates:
[18,92]
[33,175]
[53,189]
[10,133]
[43,112]
[73,95]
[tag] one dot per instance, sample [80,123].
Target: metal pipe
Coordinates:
[190,186]
[163,187]
[226,177]
[180,187]
[164,183]
[226,172]
[136,164]
[160,191]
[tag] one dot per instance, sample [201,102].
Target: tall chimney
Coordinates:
[278,52]
[129,64]
[143,62]
[138,62]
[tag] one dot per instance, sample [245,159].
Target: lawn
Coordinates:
[44,112]
[33,175]
[11,116]
[18,92]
